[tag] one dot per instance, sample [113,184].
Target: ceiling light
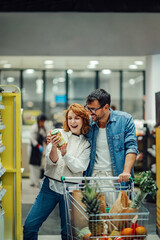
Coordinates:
[49,66]
[29,71]
[61,79]
[93,62]
[10,79]
[69,71]
[7,65]
[48,62]
[138,62]
[55,81]
[106,71]
[132,81]
[91,66]
[132,66]
[3,61]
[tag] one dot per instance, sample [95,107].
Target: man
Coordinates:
[112,137]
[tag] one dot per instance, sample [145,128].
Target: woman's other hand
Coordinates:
[54,140]
[63,149]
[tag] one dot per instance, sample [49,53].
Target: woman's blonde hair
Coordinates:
[80,111]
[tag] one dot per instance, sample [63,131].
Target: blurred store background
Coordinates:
[57,52]
[52,87]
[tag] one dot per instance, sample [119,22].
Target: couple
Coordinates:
[103,147]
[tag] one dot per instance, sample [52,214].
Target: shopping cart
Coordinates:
[118,222]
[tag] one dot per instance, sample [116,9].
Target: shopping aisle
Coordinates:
[51,227]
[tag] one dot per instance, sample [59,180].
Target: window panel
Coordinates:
[32,93]
[10,78]
[111,83]
[55,95]
[133,93]
[81,83]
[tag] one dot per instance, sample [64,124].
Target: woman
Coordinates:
[69,160]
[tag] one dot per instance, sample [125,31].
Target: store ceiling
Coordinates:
[79,5]
[74,63]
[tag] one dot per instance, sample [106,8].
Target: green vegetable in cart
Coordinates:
[146,186]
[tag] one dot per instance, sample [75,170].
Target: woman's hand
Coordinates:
[54,140]
[63,149]
[49,137]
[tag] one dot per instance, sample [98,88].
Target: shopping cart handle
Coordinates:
[62,179]
[131,179]
[91,178]
[87,178]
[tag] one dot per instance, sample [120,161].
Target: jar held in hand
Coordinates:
[58,133]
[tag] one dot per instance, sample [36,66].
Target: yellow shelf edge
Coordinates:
[11,170]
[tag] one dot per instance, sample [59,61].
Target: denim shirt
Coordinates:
[121,137]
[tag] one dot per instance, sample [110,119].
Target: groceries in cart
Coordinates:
[90,217]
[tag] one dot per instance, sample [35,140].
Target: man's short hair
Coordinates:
[101,95]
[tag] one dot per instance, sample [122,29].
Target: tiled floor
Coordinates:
[28,193]
[28,197]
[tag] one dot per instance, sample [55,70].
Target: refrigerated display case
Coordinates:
[11,161]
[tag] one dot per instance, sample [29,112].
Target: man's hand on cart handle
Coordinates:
[124,177]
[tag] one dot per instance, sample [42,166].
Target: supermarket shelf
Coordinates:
[2,192]
[2,127]
[2,171]
[11,161]
[2,148]
[152,152]
[2,106]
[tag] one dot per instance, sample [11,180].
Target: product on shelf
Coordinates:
[1,185]
[1,99]
[1,140]
[153,168]
[1,123]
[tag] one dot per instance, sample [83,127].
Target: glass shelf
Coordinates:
[2,127]
[2,192]
[2,148]
[2,106]
[2,171]
[1,212]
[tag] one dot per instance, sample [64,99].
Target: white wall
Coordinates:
[152,84]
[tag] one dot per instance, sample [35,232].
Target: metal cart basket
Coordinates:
[118,222]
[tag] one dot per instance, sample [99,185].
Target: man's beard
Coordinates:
[97,118]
